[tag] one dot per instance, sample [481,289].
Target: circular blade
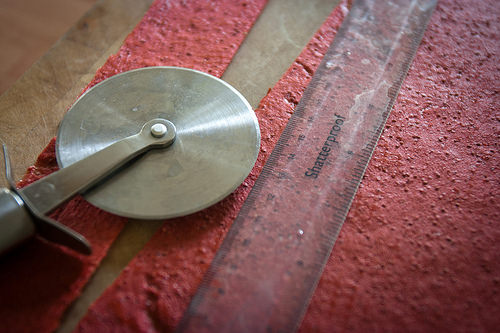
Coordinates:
[217,141]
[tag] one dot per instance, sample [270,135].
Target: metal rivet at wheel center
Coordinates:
[216,143]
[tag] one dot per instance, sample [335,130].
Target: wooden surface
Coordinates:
[28,28]
[31,109]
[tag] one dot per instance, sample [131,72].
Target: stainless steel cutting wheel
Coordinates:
[216,145]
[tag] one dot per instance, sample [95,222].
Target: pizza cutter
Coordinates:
[151,143]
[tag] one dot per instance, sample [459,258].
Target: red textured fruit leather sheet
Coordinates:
[39,281]
[420,248]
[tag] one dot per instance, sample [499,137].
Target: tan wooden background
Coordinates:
[28,28]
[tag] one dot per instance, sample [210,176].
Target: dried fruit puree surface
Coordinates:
[39,281]
[420,249]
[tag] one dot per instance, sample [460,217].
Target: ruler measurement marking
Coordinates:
[271,260]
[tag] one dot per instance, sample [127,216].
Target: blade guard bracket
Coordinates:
[19,221]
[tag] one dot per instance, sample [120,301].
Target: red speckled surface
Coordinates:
[171,33]
[156,287]
[165,36]
[420,249]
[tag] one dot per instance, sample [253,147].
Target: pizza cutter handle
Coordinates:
[16,224]
[23,209]
[49,192]
[19,223]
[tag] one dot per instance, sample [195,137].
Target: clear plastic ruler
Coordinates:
[267,268]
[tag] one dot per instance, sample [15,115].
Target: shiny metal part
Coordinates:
[19,221]
[217,140]
[52,190]
[16,224]
[23,209]
[158,130]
